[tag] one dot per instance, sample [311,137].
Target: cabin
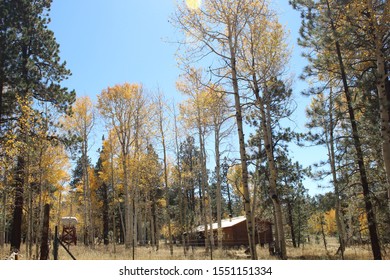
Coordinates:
[235,232]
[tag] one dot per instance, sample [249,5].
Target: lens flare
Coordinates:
[193,4]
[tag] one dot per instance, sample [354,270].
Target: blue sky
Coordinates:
[111,42]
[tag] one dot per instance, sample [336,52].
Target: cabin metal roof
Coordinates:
[225,223]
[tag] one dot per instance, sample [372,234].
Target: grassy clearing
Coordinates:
[310,251]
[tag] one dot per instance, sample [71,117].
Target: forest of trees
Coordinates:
[224,150]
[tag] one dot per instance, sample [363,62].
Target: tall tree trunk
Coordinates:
[203,180]
[85,196]
[1,94]
[291,223]
[182,191]
[88,198]
[254,220]
[2,91]
[277,236]
[331,152]
[16,233]
[3,216]
[44,255]
[156,226]
[40,203]
[137,213]
[151,221]
[299,226]
[241,139]
[136,209]
[229,202]
[128,230]
[210,217]
[59,208]
[105,215]
[208,201]
[322,221]
[381,80]
[267,138]
[375,246]
[135,179]
[131,227]
[30,224]
[114,237]
[112,180]
[219,191]
[168,212]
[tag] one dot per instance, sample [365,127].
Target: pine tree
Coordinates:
[29,58]
[30,69]
[322,30]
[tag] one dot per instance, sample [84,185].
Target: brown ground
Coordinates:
[311,251]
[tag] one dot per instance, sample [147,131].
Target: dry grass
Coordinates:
[311,251]
[318,252]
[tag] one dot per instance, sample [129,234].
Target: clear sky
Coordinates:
[111,42]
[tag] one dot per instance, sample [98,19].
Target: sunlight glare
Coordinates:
[193,4]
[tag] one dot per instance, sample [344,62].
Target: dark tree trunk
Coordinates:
[1,102]
[153,222]
[376,250]
[387,88]
[106,216]
[3,220]
[45,233]
[323,233]
[291,223]
[16,233]
[375,246]
[229,205]
[121,228]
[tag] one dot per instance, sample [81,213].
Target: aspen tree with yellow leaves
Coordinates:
[156,196]
[104,173]
[110,181]
[8,150]
[41,179]
[234,178]
[184,175]
[116,105]
[161,106]
[124,108]
[262,59]
[51,175]
[220,111]
[214,29]
[81,124]
[205,111]
[194,112]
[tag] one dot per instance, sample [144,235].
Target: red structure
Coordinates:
[69,234]
[235,232]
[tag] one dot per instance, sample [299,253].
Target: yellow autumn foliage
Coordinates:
[234,177]
[328,221]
